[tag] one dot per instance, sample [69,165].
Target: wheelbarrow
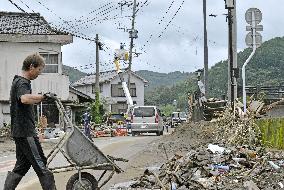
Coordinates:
[82,154]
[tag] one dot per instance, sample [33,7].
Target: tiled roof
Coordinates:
[104,77]
[25,23]
[79,93]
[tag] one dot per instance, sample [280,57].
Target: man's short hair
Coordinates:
[34,60]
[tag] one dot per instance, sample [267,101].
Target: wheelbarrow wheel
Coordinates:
[88,180]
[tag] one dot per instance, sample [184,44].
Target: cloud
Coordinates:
[180,46]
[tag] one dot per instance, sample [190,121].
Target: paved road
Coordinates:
[118,147]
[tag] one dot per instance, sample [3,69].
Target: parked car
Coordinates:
[178,118]
[146,119]
[116,118]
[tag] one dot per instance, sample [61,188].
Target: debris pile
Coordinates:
[215,167]
[109,131]
[223,154]
[235,131]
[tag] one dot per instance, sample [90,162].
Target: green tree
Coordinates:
[167,109]
[96,110]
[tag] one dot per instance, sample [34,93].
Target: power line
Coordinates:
[171,19]
[25,5]
[17,6]
[64,21]
[95,10]
[159,22]
[82,36]
[166,12]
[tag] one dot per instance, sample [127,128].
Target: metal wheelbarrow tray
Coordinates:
[81,153]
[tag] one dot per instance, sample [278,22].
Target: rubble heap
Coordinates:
[215,167]
[235,131]
[223,154]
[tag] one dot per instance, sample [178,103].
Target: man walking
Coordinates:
[87,122]
[28,149]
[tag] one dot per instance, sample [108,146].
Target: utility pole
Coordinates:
[230,5]
[205,50]
[97,85]
[231,57]
[132,35]
[235,50]
[96,111]
[233,71]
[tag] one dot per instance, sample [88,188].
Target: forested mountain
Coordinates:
[156,79]
[265,68]
[73,74]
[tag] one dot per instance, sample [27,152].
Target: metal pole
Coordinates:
[231,57]
[97,85]
[205,50]
[234,44]
[41,109]
[249,58]
[131,42]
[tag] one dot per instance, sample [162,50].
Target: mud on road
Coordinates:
[180,141]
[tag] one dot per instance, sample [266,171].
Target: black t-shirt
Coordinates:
[22,115]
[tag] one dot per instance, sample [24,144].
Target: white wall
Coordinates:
[139,89]
[12,56]
[86,89]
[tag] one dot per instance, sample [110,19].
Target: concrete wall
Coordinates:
[275,112]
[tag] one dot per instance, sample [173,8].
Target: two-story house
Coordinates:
[22,34]
[111,91]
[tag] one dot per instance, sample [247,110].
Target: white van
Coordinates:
[146,119]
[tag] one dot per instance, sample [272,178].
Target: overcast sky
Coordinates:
[180,45]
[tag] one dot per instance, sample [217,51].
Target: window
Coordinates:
[132,90]
[94,88]
[51,63]
[144,112]
[117,90]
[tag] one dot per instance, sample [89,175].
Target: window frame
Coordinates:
[47,60]
[120,92]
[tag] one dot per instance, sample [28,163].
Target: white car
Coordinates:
[146,119]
